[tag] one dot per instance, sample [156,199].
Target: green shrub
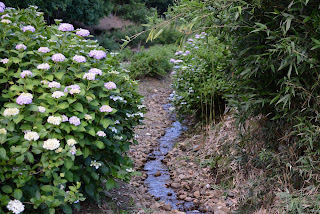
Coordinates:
[152,62]
[135,11]
[200,80]
[66,116]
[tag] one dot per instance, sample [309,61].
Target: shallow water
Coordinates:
[156,185]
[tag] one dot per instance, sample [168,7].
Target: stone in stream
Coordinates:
[157,174]
[175,185]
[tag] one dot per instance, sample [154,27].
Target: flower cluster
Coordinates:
[95,164]
[87,117]
[28,28]
[43,50]
[83,32]
[54,120]
[2,7]
[26,73]
[15,205]
[21,46]
[31,136]
[4,61]
[54,84]
[110,85]
[97,54]
[51,144]
[24,98]
[8,112]
[3,131]
[66,27]
[58,57]
[79,59]
[43,66]
[71,142]
[95,71]
[105,108]
[89,76]
[41,109]
[101,134]
[74,89]
[57,94]
[65,118]
[74,120]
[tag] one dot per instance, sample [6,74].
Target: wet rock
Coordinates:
[157,174]
[196,194]
[182,197]
[188,199]
[175,185]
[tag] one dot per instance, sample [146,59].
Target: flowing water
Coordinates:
[156,185]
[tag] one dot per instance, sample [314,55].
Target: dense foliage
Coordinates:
[275,62]
[200,80]
[152,62]
[87,11]
[66,115]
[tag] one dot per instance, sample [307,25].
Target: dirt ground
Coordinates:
[191,178]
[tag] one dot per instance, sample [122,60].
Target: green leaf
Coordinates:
[59,75]
[92,132]
[18,119]
[30,157]
[78,107]
[86,152]
[17,194]
[20,159]
[106,122]
[110,184]
[68,163]
[63,105]
[6,189]
[3,154]
[95,176]
[15,59]
[46,188]
[100,145]
[66,209]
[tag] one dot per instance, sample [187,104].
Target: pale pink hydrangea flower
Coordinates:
[89,76]
[57,94]
[28,28]
[106,108]
[5,60]
[65,118]
[24,98]
[83,32]
[54,84]
[43,66]
[101,134]
[44,50]
[41,109]
[2,7]
[5,16]
[95,71]
[6,21]
[58,57]
[97,54]
[79,59]
[26,73]
[110,85]
[66,27]
[21,46]
[74,120]
[72,89]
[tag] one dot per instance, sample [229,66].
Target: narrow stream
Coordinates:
[156,185]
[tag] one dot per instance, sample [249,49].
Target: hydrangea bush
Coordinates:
[66,115]
[199,79]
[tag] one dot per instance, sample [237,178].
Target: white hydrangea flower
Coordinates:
[3,131]
[95,164]
[101,134]
[15,206]
[71,142]
[87,117]
[11,112]
[57,94]
[51,144]
[54,120]
[41,109]
[31,136]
